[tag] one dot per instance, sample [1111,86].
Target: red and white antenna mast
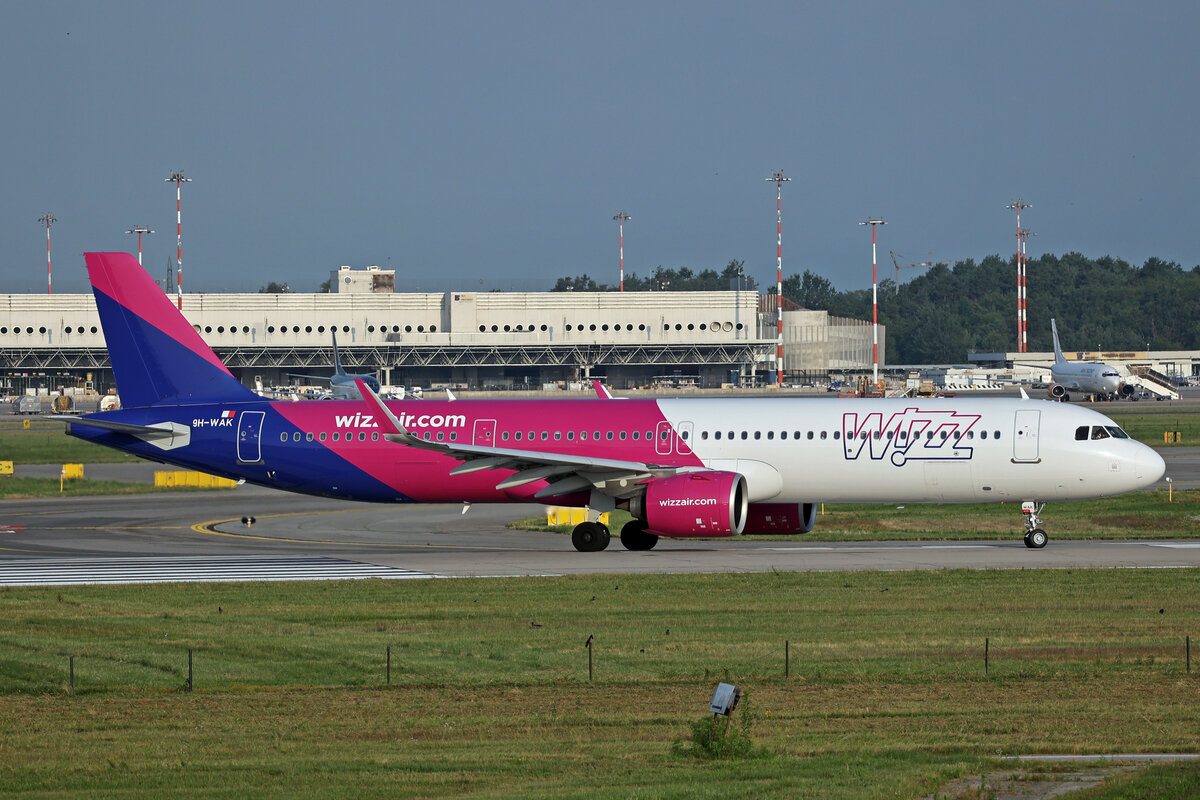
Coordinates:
[779,180]
[1018,205]
[179,180]
[620,217]
[874,223]
[48,219]
[139,230]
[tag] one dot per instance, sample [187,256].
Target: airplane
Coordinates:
[684,468]
[1085,377]
[342,384]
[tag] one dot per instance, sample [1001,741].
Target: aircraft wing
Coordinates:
[565,473]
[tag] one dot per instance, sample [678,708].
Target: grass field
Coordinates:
[490,696]
[12,488]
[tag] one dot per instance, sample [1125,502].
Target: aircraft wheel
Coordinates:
[1036,539]
[590,537]
[635,537]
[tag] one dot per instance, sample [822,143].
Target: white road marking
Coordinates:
[190,569]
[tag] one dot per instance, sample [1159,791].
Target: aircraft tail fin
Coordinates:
[337,359]
[156,356]
[1058,354]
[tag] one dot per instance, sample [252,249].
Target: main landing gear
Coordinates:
[635,536]
[590,537]
[1035,537]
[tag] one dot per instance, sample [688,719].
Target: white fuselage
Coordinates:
[915,450]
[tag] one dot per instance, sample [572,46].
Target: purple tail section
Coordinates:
[156,356]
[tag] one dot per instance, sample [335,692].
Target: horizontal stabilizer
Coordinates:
[163,435]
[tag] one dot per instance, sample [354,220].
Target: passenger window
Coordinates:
[1081,433]
[623,435]
[608,436]
[375,436]
[583,436]
[837,434]
[570,436]
[823,434]
[545,436]
[716,434]
[685,436]
[809,435]
[296,436]
[704,435]
[454,436]
[770,434]
[758,435]
[362,437]
[335,435]
[983,434]
[558,436]
[745,435]
[504,436]
[322,437]
[518,436]
[995,434]
[637,434]
[596,436]
[283,437]
[664,436]
[441,436]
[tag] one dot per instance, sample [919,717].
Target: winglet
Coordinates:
[386,419]
[1023,395]
[602,391]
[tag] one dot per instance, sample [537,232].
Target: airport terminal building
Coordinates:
[468,340]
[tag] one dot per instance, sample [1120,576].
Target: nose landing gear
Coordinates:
[1035,537]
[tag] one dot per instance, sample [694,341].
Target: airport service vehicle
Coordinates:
[683,467]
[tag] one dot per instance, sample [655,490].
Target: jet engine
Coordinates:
[1057,392]
[780,518]
[1128,389]
[709,503]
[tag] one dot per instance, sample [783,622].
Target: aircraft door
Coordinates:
[662,438]
[485,433]
[1025,436]
[249,437]
[683,444]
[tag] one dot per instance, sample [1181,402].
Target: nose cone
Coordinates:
[1149,466]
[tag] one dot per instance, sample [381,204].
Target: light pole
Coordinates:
[179,180]
[779,180]
[620,217]
[139,230]
[48,219]
[874,223]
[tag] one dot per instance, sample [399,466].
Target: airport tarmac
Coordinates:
[200,536]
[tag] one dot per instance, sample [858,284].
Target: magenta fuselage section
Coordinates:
[626,430]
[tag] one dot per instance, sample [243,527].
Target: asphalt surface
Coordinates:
[194,536]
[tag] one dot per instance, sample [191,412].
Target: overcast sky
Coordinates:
[489,144]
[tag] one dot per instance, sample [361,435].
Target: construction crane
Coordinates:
[899,266]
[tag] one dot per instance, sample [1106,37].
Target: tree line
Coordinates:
[950,310]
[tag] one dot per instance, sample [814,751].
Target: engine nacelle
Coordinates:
[780,518]
[1128,389]
[693,504]
[1057,391]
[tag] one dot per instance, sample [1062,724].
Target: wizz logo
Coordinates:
[356,421]
[908,435]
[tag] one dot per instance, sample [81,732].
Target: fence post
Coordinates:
[787,658]
[189,669]
[389,665]
[986,647]
[72,661]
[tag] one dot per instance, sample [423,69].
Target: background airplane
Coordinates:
[342,384]
[1085,377]
[682,467]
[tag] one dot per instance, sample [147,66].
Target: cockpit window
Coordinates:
[1116,432]
[1099,432]
[1081,433]
[1110,374]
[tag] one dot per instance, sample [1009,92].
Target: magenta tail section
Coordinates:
[156,356]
